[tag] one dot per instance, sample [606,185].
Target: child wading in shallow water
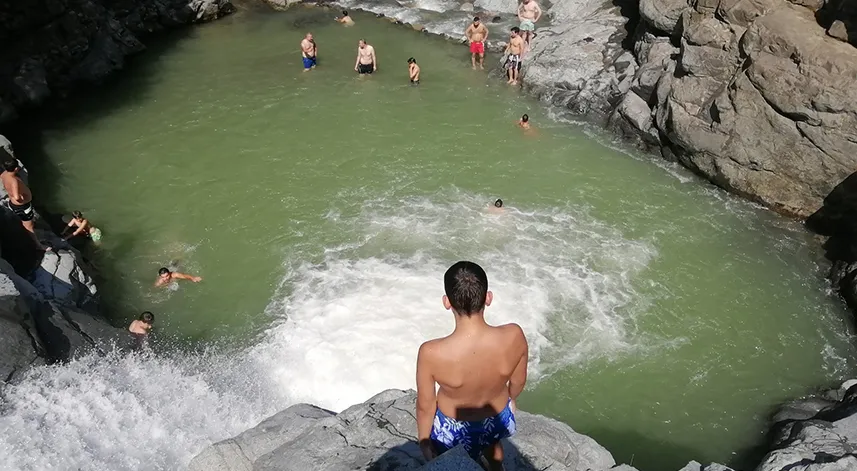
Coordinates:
[140,330]
[413,71]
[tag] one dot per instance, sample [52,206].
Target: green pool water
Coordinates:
[666,318]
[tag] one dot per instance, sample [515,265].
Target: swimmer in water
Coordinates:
[139,329]
[165,276]
[497,207]
[524,122]
[413,71]
[81,225]
[345,19]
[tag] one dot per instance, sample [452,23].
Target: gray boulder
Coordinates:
[379,435]
[662,15]
[577,62]
[61,278]
[695,466]
[19,345]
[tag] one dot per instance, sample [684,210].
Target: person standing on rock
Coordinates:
[477,34]
[529,13]
[366,61]
[309,50]
[481,369]
[514,50]
[20,197]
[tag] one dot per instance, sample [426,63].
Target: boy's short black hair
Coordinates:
[163,271]
[498,203]
[10,164]
[344,13]
[516,30]
[412,61]
[466,286]
[147,317]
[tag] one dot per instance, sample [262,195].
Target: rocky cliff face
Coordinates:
[752,94]
[49,45]
[48,303]
[813,434]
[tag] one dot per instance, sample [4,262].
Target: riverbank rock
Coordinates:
[379,435]
[48,47]
[757,98]
[577,61]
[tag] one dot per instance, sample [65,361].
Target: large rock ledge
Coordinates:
[818,433]
[48,304]
[50,45]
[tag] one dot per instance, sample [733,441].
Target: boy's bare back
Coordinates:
[473,369]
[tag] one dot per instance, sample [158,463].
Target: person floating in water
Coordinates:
[497,207]
[309,52]
[345,19]
[481,369]
[413,71]
[477,34]
[165,276]
[20,197]
[366,61]
[514,50]
[524,122]
[81,225]
[140,328]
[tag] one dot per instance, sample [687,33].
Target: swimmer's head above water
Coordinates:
[147,317]
[412,61]
[164,273]
[498,203]
[525,118]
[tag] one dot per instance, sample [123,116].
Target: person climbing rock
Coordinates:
[481,370]
[165,276]
[82,226]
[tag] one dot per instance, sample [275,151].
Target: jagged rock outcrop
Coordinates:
[48,45]
[48,302]
[577,61]
[379,435]
[756,97]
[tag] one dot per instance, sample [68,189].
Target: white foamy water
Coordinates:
[347,326]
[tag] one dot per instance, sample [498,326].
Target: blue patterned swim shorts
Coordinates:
[475,436]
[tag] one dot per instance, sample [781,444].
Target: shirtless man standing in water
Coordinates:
[366,61]
[477,34]
[20,197]
[529,13]
[481,370]
[309,50]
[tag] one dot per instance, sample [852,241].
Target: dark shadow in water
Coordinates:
[837,219]
[842,10]
[124,88]
[409,455]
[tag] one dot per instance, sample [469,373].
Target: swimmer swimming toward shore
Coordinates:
[165,276]
[497,207]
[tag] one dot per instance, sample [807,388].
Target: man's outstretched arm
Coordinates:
[426,401]
[184,276]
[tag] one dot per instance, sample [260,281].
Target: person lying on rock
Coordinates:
[139,330]
[81,225]
[345,19]
[20,197]
[165,276]
[481,369]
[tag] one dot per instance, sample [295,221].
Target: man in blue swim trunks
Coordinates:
[309,50]
[481,369]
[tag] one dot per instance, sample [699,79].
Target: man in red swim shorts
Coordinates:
[477,34]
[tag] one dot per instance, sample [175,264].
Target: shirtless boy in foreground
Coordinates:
[481,370]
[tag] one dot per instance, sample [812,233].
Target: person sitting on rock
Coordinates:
[481,369]
[81,226]
[165,276]
[140,329]
[345,19]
